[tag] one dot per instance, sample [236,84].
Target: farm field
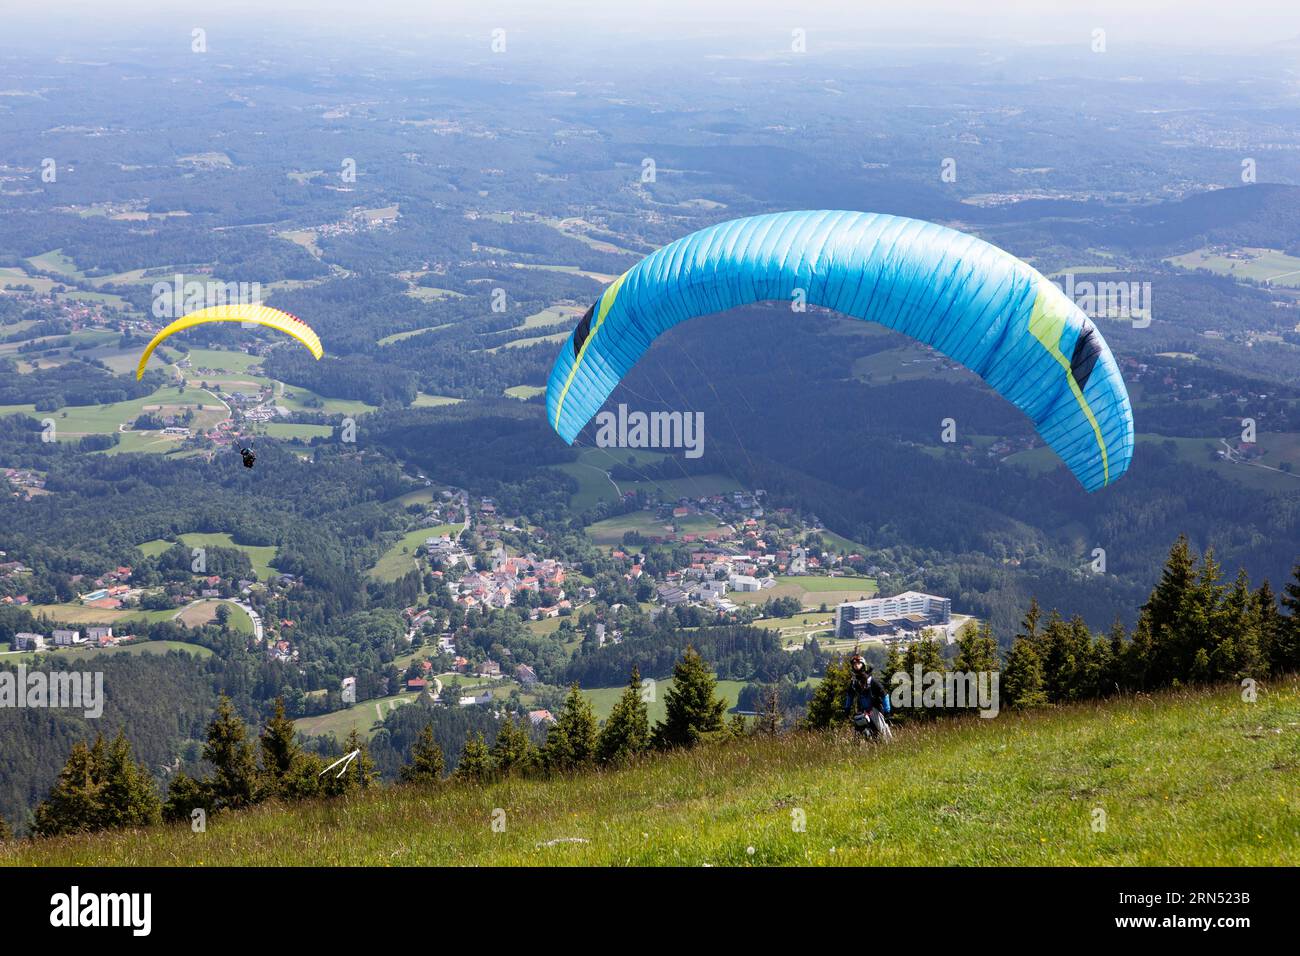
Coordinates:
[261,556]
[403,336]
[1259,265]
[360,717]
[287,431]
[810,591]
[73,654]
[525,392]
[400,558]
[80,614]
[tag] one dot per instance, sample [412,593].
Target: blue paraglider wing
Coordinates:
[972,301]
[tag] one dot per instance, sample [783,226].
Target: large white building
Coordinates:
[910,610]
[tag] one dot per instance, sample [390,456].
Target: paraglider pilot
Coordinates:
[248,456]
[866,693]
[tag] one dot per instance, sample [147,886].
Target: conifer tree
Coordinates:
[1286,649]
[1022,677]
[925,654]
[977,649]
[73,804]
[1164,616]
[427,762]
[357,774]
[626,733]
[128,797]
[280,751]
[770,714]
[513,750]
[827,704]
[184,796]
[475,761]
[692,710]
[1115,677]
[571,741]
[235,783]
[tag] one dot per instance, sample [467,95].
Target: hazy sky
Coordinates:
[1212,24]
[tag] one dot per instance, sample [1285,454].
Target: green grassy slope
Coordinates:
[1194,778]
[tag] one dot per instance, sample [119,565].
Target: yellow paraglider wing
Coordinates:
[258,314]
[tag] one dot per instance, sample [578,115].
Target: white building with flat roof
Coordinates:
[910,610]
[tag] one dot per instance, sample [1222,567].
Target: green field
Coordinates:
[594,485]
[424,400]
[811,591]
[1259,265]
[72,654]
[360,717]
[287,432]
[795,630]
[400,558]
[611,530]
[1198,778]
[262,556]
[216,360]
[77,614]
[403,336]
[531,340]
[295,399]
[525,392]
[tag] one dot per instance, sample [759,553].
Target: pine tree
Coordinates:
[977,649]
[1115,675]
[73,804]
[827,704]
[626,733]
[571,741]
[692,709]
[228,750]
[1286,649]
[513,750]
[475,761]
[427,762]
[1270,626]
[1022,677]
[770,714]
[926,655]
[184,796]
[1237,651]
[359,773]
[280,751]
[128,797]
[1029,624]
[1165,616]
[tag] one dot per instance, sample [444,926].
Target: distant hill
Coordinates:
[1193,778]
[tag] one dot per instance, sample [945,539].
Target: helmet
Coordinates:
[856,661]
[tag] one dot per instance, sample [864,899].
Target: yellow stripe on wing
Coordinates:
[606,301]
[1046,323]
